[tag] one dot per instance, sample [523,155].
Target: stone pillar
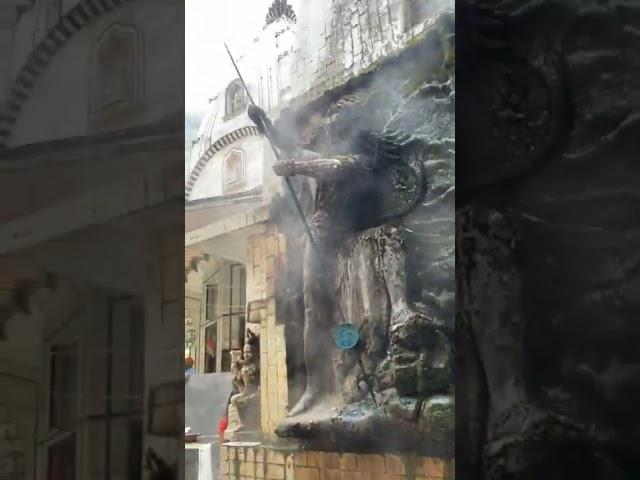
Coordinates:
[265,258]
[164,327]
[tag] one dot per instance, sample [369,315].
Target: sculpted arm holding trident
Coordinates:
[299,160]
[374,181]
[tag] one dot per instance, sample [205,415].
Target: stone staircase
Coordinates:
[11,449]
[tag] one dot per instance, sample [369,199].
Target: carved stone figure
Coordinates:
[402,347]
[380,207]
[355,192]
[244,403]
[234,421]
[354,272]
[499,430]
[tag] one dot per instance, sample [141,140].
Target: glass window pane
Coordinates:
[225,333]
[243,287]
[237,332]
[211,306]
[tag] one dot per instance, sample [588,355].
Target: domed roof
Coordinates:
[224,122]
[216,123]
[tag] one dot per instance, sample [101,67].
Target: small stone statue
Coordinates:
[243,406]
[233,417]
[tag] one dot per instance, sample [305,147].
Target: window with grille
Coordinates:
[232,315]
[210,331]
[211,303]
[115,432]
[64,394]
[63,386]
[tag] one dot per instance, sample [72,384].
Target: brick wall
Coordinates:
[265,254]
[239,462]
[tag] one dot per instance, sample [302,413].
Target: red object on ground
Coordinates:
[222,427]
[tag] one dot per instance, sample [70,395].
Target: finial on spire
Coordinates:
[279,9]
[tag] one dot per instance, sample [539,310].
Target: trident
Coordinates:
[267,134]
[296,202]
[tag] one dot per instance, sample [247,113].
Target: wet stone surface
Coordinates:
[392,279]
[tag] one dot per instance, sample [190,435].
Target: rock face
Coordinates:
[395,280]
[402,347]
[547,230]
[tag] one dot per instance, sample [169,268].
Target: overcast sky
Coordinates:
[208,70]
[208,24]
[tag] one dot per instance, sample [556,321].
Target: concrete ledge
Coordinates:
[97,207]
[262,462]
[228,225]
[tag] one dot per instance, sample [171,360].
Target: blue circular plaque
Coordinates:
[346,336]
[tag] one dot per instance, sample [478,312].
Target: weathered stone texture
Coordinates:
[265,251]
[259,462]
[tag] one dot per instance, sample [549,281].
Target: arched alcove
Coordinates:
[233,169]
[115,69]
[235,99]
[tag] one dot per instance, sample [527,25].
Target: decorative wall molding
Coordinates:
[234,167]
[118,45]
[222,142]
[76,19]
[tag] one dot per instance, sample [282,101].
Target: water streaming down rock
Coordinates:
[547,229]
[389,258]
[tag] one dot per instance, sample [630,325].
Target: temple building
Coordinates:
[91,188]
[229,181]
[243,264]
